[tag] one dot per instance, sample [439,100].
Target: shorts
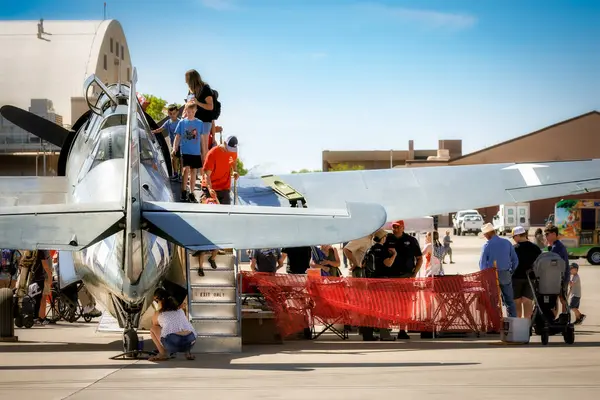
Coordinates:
[521,288]
[192,161]
[206,127]
[175,343]
[574,302]
[224,196]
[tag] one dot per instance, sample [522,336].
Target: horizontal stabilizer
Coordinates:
[205,226]
[69,227]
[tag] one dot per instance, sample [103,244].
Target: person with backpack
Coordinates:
[266,260]
[8,268]
[201,95]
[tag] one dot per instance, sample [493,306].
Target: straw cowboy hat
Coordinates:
[487,228]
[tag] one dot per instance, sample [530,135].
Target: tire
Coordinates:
[453,231]
[593,256]
[130,340]
[18,321]
[7,328]
[459,232]
[28,321]
[87,318]
[569,334]
[545,337]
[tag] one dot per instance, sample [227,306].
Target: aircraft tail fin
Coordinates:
[207,226]
[69,227]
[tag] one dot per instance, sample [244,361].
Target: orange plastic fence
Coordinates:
[454,303]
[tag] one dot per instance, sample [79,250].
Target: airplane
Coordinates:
[111,211]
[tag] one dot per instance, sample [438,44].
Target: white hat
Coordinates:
[487,228]
[518,230]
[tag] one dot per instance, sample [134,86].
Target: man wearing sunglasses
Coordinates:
[556,246]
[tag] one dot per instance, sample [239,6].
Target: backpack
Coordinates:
[369,263]
[216,112]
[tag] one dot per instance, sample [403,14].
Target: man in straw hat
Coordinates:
[500,253]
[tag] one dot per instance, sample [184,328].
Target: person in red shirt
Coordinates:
[219,165]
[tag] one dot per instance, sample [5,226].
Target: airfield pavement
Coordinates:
[72,361]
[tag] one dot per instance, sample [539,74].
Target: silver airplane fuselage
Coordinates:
[95,172]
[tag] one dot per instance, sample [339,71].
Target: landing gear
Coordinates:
[130,341]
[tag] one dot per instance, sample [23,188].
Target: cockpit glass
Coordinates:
[111,145]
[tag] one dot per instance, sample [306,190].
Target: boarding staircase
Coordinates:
[214,303]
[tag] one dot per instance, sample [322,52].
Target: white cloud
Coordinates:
[220,5]
[429,18]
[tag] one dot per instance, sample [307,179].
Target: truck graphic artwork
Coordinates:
[578,223]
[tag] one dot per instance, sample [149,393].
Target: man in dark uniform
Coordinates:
[408,258]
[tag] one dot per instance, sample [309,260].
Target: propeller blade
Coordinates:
[40,127]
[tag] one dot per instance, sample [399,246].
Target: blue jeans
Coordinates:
[175,343]
[505,280]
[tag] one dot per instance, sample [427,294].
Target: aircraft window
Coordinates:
[114,120]
[110,146]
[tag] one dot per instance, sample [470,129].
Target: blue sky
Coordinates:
[296,77]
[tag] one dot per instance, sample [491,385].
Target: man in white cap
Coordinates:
[527,253]
[500,253]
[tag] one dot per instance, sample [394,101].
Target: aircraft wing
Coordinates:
[416,192]
[68,227]
[206,226]
[31,190]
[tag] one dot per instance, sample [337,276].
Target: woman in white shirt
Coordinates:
[171,330]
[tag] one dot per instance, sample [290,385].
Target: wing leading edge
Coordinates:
[68,227]
[203,227]
[416,192]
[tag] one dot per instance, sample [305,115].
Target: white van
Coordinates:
[511,215]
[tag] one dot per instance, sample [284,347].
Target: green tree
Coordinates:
[346,167]
[240,167]
[156,106]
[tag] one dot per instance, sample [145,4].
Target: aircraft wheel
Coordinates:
[593,256]
[7,328]
[130,340]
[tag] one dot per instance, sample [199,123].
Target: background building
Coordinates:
[43,65]
[574,139]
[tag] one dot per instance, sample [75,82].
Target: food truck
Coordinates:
[578,223]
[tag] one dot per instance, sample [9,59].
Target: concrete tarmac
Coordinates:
[72,361]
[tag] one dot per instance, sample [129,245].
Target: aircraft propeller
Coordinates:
[40,127]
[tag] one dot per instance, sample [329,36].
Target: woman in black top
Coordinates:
[200,94]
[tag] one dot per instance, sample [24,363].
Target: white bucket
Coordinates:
[515,330]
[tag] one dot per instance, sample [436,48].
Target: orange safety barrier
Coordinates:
[451,303]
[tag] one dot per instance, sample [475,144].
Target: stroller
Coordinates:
[546,281]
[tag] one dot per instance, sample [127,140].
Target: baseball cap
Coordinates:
[231,143]
[518,230]
[399,223]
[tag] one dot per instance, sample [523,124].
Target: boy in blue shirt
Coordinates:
[170,125]
[194,146]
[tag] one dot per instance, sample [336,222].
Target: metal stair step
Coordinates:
[210,327]
[213,310]
[213,277]
[224,262]
[213,295]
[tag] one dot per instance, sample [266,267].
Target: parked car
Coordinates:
[458,218]
[470,224]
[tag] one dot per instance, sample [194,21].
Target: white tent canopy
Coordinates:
[424,224]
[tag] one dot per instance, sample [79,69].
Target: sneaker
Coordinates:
[174,178]
[192,198]
[200,271]
[184,196]
[212,263]
[403,335]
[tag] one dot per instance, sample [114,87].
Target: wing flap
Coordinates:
[203,227]
[68,227]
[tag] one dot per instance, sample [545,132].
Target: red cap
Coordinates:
[398,223]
